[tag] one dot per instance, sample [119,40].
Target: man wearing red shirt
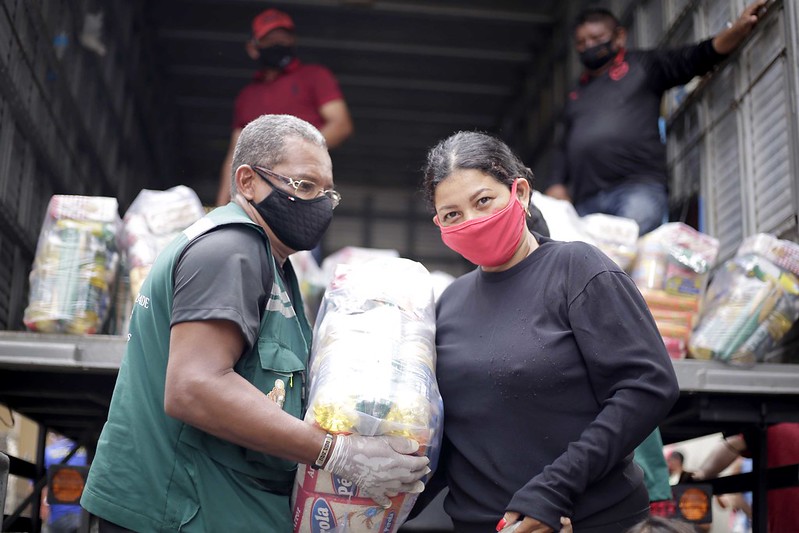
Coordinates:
[284,85]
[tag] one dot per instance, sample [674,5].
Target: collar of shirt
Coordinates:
[586,76]
[291,67]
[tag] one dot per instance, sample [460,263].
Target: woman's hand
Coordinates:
[510,524]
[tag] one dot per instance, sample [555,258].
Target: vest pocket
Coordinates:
[280,376]
[279,373]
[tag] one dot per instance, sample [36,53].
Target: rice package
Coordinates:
[74,267]
[752,302]
[671,271]
[151,222]
[372,372]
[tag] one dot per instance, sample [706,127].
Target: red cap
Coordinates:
[269,20]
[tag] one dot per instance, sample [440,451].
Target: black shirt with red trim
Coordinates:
[611,134]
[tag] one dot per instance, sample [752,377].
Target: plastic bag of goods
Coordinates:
[372,372]
[74,267]
[616,236]
[751,303]
[151,222]
[671,271]
[561,217]
[311,282]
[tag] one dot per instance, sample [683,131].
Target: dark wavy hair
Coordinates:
[472,150]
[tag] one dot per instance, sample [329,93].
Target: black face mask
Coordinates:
[597,56]
[276,56]
[299,224]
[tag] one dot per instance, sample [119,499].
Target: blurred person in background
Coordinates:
[677,474]
[285,85]
[549,363]
[611,158]
[204,430]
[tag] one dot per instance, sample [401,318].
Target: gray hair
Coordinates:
[263,140]
[472,150]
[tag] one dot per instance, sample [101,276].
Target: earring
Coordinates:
[527,210]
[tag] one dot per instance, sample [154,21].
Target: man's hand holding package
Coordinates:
[380,466]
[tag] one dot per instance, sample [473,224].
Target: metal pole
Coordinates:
[760,490]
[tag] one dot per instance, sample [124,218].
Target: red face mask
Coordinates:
[490,240]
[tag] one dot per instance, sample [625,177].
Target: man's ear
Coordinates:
[245,181]
[252,50]
[620,40]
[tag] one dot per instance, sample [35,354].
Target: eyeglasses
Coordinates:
[305,189]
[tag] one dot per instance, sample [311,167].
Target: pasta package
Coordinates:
[372,372]
[74,267]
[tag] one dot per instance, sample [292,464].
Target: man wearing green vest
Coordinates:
[205,427]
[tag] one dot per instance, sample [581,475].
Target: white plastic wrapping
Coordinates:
[151,222]
[372,372]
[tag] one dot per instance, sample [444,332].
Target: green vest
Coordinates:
[152,472]
[649,456]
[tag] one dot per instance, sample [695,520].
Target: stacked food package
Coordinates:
[372,372]
[751,303]
[671,271]
[150,223]
[74,267]
[616,236]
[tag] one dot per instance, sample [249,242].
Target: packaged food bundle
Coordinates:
[671,271]
[372,372]
[150,223]
[74,267]
[675,258]
[562,219]
[616,236]
[750,305]
[311,282]
[784,254]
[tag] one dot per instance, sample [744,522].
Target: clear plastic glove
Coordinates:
[380,466]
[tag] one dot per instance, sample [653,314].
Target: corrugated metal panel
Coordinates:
[773,182]
[674,9]
[391,234]
[768,114]
[684,154]
[344,231]
[717,13]
[649,24]
[725,214]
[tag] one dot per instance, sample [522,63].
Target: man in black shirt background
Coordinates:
[611,158]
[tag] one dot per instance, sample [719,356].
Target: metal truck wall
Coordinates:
[78,105]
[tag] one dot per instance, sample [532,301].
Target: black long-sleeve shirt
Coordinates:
[610,134]
[551,373]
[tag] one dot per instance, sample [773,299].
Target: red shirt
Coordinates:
[783,504]
[300,90]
